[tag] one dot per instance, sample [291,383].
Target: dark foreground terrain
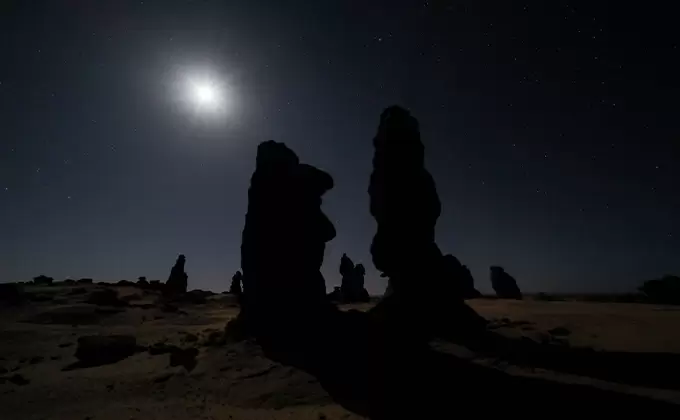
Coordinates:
[182,366]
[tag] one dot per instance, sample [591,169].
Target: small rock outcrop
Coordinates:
[665,290]
[283,240]
[235,287]
[96,350]
[177,282]
[42,280]
[504,284]
[184,357]
[142,282]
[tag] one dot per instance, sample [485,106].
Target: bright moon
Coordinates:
[206,95]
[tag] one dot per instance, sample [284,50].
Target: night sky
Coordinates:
[550,128]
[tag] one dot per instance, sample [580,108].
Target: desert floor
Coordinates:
[38,341]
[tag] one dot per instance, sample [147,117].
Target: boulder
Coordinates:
[352,289]
[96,350]
[664,290]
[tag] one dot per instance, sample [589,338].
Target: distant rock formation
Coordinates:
[284,238]
[235,287]
[85,281]
[352,289]
[142,282]
[177,282]
[504,284]
[664,290]
[43,280]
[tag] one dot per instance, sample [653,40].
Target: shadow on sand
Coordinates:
[385,369]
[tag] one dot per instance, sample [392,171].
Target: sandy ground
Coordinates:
[38,342]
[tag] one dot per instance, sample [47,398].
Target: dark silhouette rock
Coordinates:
[352,288]
[346,266]
[96,350]
[69,282]
[665,290]
[283,240]
[466,283]
[235,288]
[11,294]
[142,282]
[504,284]
[43,280]
[177,282]
[426,293]
[84,281]
[405,204]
